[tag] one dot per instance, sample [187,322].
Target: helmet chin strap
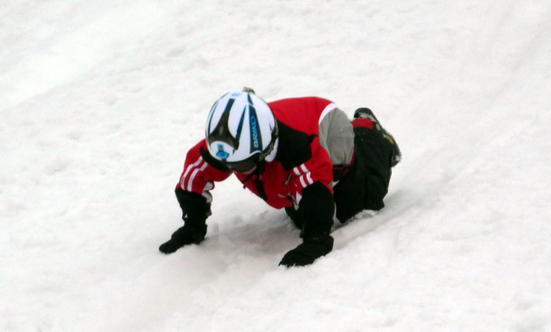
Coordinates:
[258,170]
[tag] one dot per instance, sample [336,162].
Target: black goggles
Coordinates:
[243,166]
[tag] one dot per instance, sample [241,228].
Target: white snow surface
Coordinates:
[100,101]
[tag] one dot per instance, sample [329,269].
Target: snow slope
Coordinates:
[100,101]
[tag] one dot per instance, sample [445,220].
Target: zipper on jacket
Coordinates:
[288,178]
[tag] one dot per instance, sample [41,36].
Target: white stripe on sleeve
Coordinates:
[193,174]
[188,169]
[309,177]
[193,170]
[302,181]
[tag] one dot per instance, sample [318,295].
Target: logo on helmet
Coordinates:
[254,132]
[221,153]
[256,140]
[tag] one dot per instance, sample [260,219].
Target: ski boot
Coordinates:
[366,113]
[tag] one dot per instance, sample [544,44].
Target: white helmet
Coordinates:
[241,130]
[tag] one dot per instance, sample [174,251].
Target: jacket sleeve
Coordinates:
[193,189]
[200,172]
[313,181]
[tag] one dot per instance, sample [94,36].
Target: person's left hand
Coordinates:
[306,253]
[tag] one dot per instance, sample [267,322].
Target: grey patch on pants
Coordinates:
[337,137]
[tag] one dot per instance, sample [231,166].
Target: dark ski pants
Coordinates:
[365,184]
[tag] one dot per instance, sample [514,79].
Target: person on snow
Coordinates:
[300,154]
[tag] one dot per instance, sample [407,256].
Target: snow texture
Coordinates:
[100,101]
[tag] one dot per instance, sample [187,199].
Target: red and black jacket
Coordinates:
[300,176]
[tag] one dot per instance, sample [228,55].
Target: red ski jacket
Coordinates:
[300,160]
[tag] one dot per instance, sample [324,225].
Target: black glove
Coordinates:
[306,253]
[195,211]
[183,236]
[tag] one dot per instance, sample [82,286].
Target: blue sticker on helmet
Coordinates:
[221,153]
